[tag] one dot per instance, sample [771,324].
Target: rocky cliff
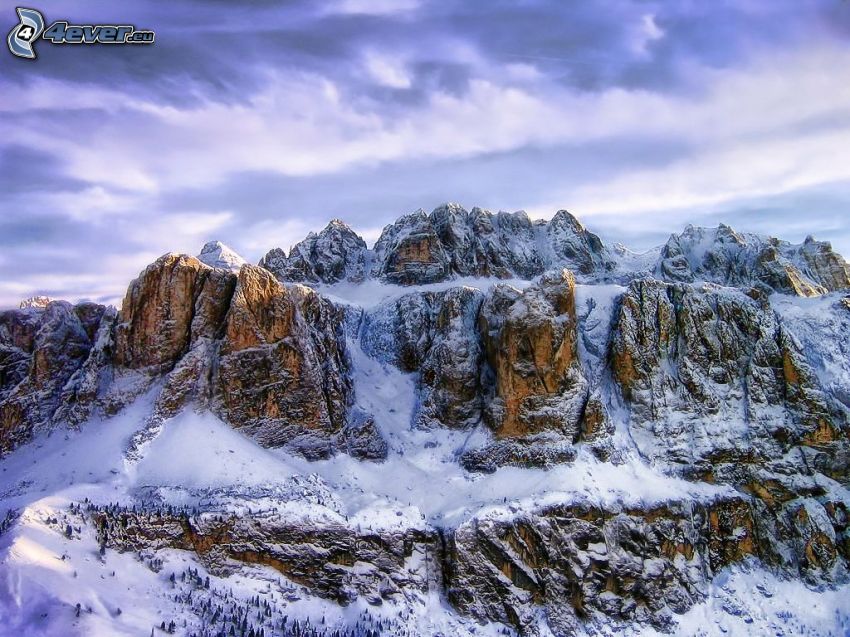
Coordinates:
[720,370]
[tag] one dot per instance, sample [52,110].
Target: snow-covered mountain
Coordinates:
[483,425]
[217,255]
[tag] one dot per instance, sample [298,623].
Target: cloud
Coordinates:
[255,125]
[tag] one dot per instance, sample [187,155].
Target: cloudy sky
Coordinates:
[255,123]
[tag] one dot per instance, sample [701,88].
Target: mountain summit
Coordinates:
[217,255]
[450,242]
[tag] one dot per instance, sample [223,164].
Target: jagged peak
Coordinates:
[218,255]
[449,208]
[563,217]
[35,302]
[337,225]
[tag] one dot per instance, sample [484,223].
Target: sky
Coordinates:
[257,122]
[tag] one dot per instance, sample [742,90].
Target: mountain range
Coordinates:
[484,424]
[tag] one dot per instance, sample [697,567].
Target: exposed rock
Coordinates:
[480,243]
[824,265]
[421,248]
[336,254]
[544,450]
[174,302]
[434,334]
[450,393]
[711,371]
[360,438]
[721,255]
[400,331]
[707,375]
[530,342]
[573,247]
[410,252]
[583,564]
[35,302]
[283,373]
[41,350]
[332,560]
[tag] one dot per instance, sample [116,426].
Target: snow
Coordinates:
[45,574]
[373,292]
[815,321]
[217,255]
[200,451]
[595,306]
[196,459]
[746,602]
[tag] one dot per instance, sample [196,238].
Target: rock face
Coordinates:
[583,564]
[269,359]
[422,248]
[535,391]
[574,565]
[326,558]
[711,372]
[720,390]
[409,252]
[434,334]
[451,241]
[35,302]
[336,254]
[723,256]
[42,349]
[530,340]
[175,302]
[283,372]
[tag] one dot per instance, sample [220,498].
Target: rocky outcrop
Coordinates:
[822,264]
[282,375]
[571,245]
[410,252]
[721,255]
[332,560]
[583,564]
[433,334]
[165,340]
[711,371]
[530,341]
[481,243]
[269,359]
[175,302]
[535,390]
[335,254]
[421,248]
[41,351]
[706,375]
[450,387]
[35,302]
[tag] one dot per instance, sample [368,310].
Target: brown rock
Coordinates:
[283,373]
[530,343]
[175,301]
